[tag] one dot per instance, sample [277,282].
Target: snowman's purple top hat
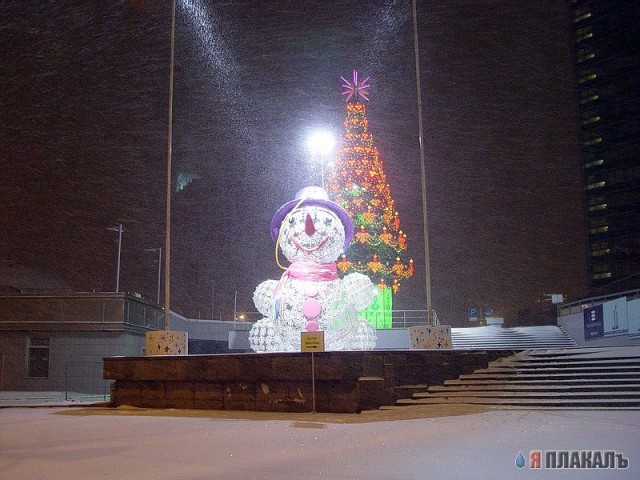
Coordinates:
[313,196]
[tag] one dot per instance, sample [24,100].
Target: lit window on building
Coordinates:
[585,54]
[589,99]
[602,229]
[600,206]
[582,17]
[594,163]
[584,30]
[38,357]
[599,276]
[598,225]
[584,33]
[594,185]
[587,78]
[581,13]
[591,120]
[593,141]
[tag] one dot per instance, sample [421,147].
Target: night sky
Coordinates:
[83,140]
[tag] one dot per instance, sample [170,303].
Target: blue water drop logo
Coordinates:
[520,461]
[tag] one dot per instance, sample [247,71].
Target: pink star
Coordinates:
[356,88]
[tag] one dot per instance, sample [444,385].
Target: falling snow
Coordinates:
[84,96]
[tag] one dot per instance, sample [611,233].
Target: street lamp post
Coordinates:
[321,143]
[119,230]
[167,232]
[235,306]
[159,252]
[427,265]
[158,343]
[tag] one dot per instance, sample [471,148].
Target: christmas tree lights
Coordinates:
[358,183]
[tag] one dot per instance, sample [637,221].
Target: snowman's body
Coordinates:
[310,296]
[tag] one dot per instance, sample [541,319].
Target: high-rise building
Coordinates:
[607,82]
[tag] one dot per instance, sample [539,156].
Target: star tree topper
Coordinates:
[356,88]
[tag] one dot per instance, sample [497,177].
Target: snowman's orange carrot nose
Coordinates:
[309,227]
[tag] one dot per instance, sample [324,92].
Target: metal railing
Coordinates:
[580,305]
[80,308]
[399,319]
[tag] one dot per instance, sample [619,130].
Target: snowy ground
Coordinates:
[418,442]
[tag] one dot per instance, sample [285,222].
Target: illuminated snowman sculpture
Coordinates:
[312,231]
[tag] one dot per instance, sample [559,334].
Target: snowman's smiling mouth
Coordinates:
[309,249]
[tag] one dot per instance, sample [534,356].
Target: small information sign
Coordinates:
[312,341]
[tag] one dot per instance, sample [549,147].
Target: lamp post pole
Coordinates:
[427,266]
[119,230]
[167,238]
[213,297]
[159,252]
[235,306]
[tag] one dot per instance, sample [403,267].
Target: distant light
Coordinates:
[321,142]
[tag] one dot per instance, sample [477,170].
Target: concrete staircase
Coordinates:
[545,378]
[515,338]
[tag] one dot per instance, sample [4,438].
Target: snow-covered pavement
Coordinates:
[421,442]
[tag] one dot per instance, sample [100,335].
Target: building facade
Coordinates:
[56,342]
[607,78]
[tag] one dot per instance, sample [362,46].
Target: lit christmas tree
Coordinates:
[358,183]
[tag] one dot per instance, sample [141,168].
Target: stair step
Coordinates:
[515,401]
[524,394]
[507,345]
[531,387]
[557,369]
[575,381]
[567,375]
[537,363]
[409,391]
[568,357]
[522,407]
[605,351]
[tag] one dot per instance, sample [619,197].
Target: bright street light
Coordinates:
[321,143]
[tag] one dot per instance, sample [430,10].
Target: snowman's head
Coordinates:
[311,228]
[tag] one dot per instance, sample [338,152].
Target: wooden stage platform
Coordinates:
[345,382]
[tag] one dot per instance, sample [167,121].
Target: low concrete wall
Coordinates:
[346,382]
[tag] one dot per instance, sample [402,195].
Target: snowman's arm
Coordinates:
[361,290]
[263,296]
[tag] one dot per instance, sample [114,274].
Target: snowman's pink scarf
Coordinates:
[312,271]
[301,271]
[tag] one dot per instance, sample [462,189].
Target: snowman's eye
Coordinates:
[327,221]
[292,220]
